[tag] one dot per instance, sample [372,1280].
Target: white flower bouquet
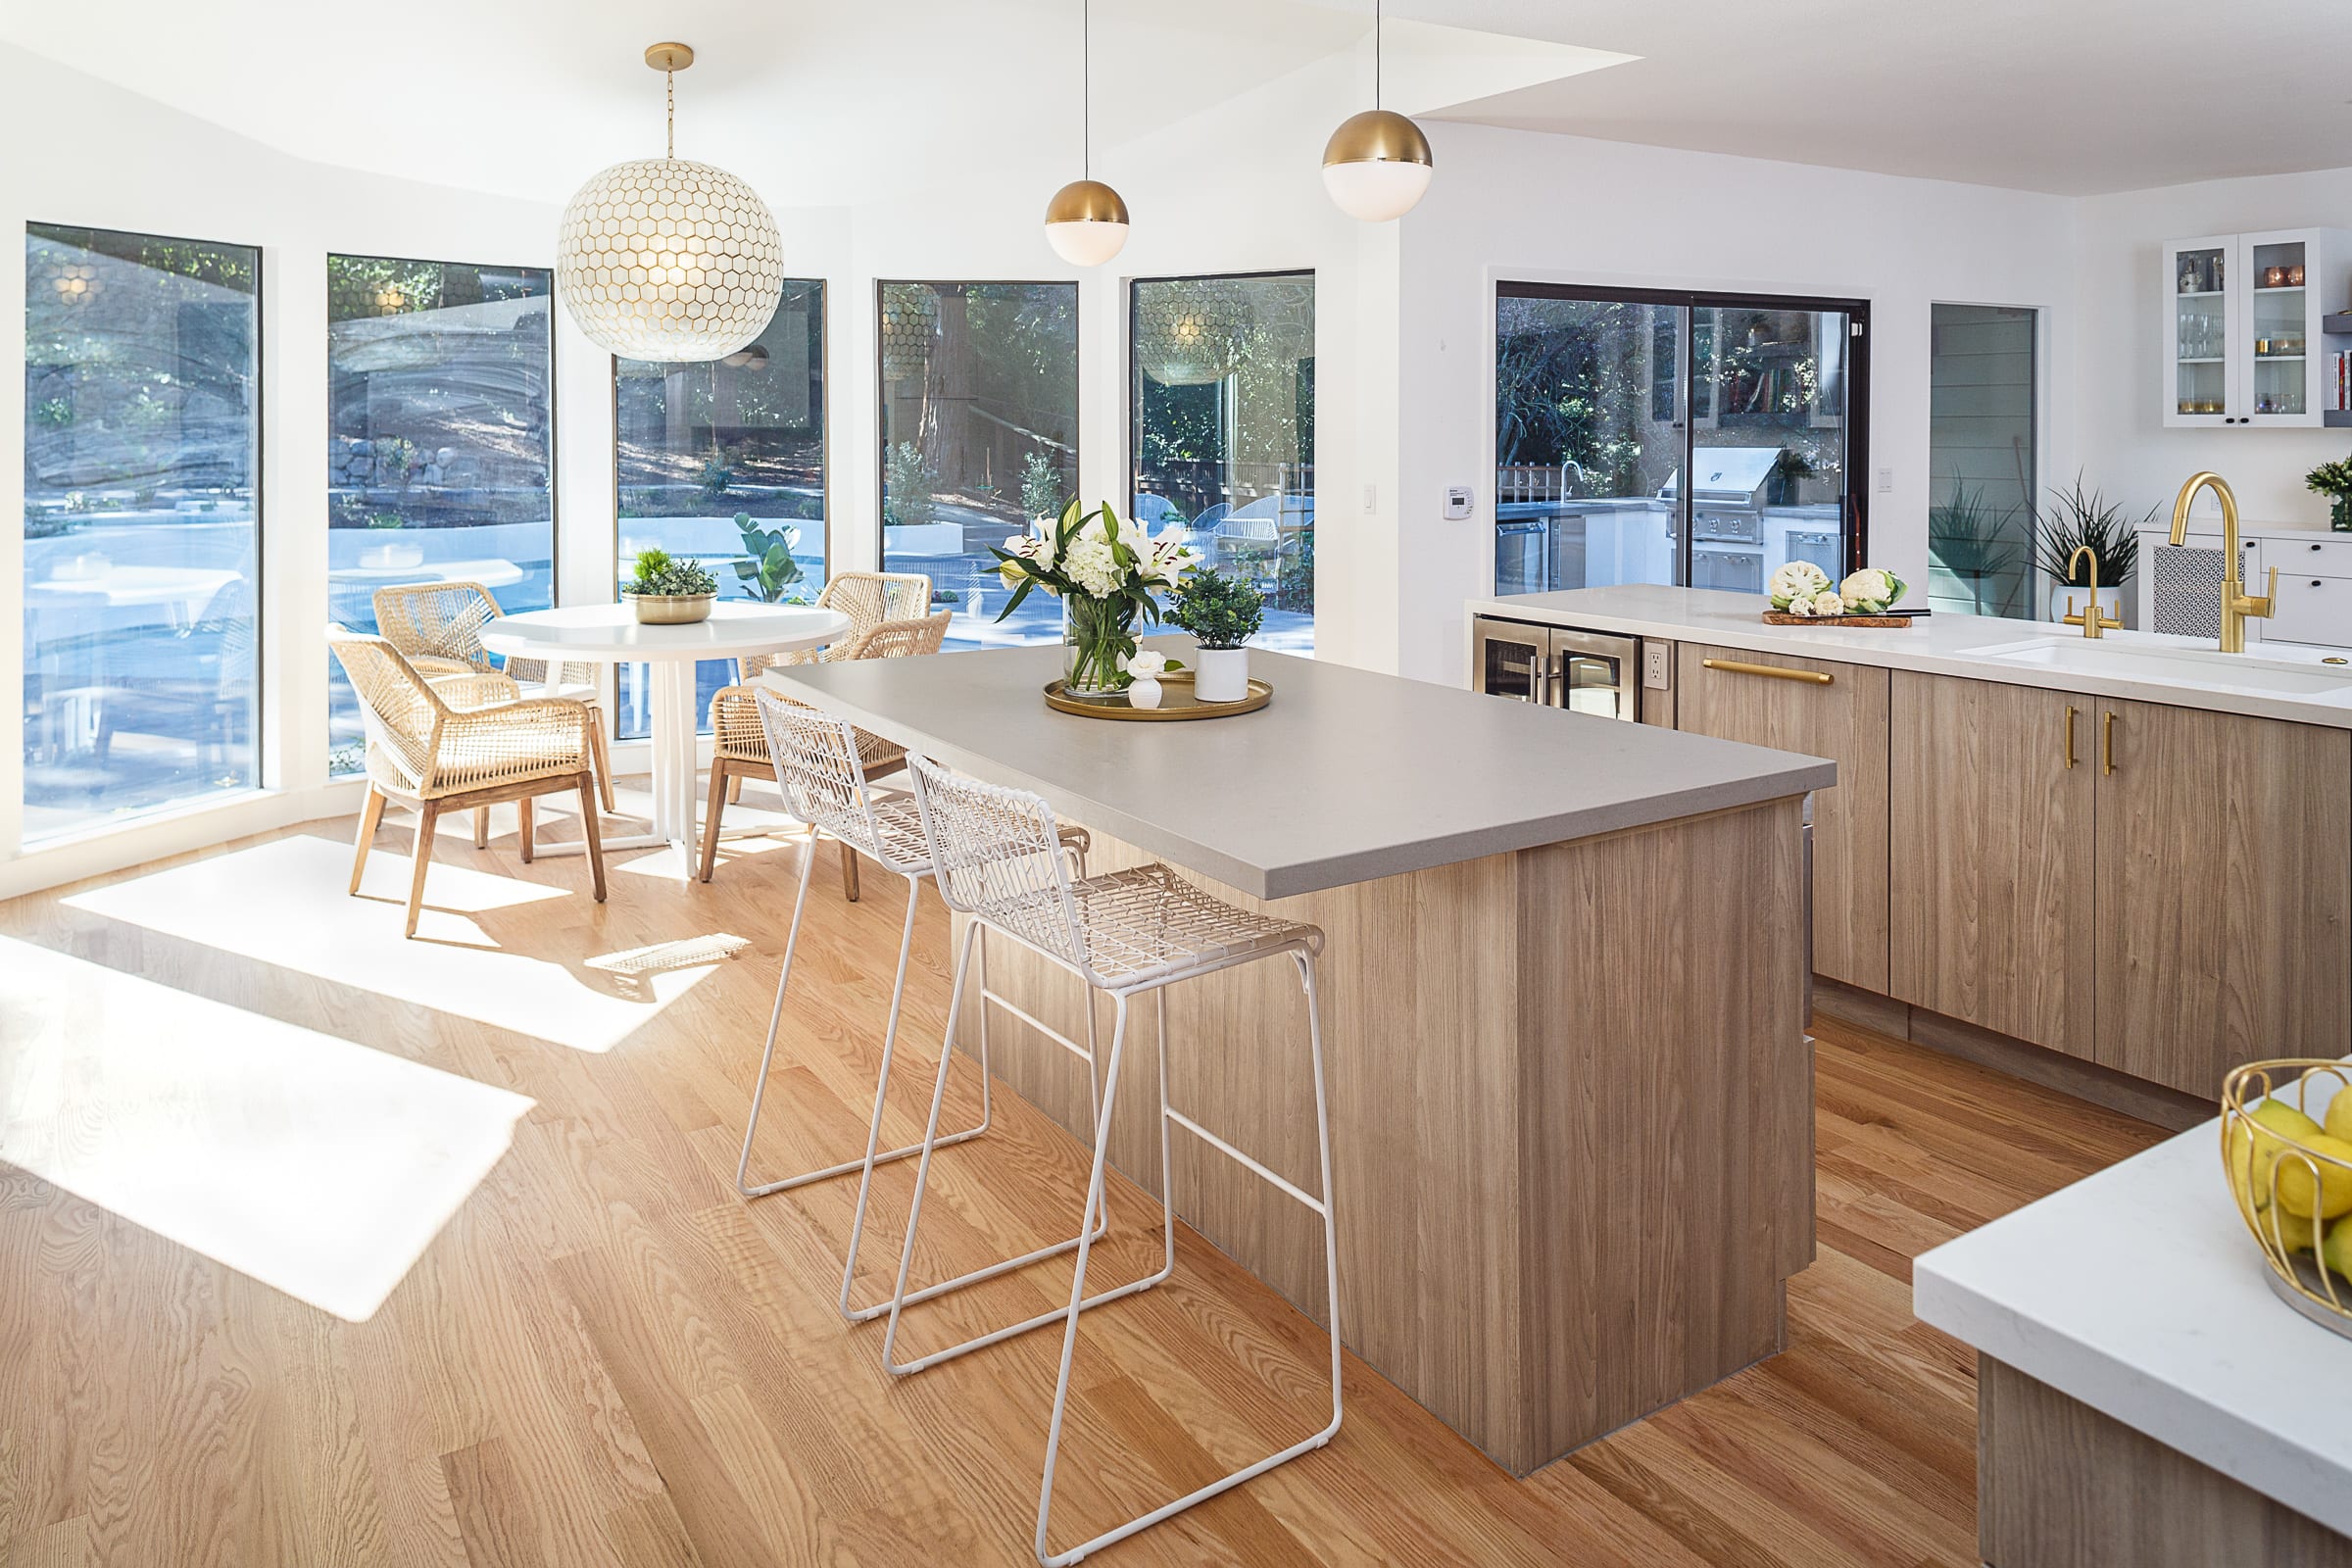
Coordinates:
[1108,573]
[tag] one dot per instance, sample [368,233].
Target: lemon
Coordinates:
[2338,1121]
[2250,1172]
[2311,1186]
[2338,1252]
[2294,1233]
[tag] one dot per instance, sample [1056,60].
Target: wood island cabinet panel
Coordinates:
[2224,891]
[1990,882]
[1844,721]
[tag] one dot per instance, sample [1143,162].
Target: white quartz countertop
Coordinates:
[1346,776]
[2140,1293]
[2272,681]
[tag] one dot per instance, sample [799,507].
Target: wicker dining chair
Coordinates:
[457,742]
[871,600]
[437,627]
[739,738]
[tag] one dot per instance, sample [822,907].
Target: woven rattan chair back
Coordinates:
[397,704]
[997,853]
[818,771]
[871,600]
[437,621]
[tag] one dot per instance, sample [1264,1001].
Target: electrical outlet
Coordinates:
[1657,665]
[1886,481]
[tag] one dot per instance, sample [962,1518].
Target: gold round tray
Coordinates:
[1176,702]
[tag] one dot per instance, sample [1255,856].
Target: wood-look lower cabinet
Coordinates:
[1822,709]
[2224,891]
[1993,905]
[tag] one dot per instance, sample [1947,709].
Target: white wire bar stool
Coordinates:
[1125,934]
[824,784]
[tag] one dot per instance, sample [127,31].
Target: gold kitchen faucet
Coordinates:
[2094,621]
[2237,606]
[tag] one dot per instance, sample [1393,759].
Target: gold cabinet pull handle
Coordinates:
[2070,734]
[2107,743]
[1733,667]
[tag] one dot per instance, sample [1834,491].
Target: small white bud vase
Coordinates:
[1222,676]
[1143,694]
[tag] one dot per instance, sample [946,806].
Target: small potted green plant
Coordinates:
[1222,613]
[2090,522]
[668,592]
[2334,480]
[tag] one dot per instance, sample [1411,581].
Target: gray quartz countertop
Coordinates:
[1346,776]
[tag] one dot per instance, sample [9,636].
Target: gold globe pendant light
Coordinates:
[1085,221]
[666,259]
[1377,165]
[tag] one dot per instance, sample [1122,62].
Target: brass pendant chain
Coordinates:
[669,96]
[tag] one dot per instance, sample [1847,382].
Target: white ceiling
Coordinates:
[821,102]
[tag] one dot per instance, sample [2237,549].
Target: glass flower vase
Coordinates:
[1097,636]
[2339,515]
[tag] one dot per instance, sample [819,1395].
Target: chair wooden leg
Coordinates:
[600,754]
[481,827]
[522,819]
[595,832]
[715,809]
[734,788]
[426,815]
[372,813]
[848,873]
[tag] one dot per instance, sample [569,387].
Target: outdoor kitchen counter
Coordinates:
[1347,776]
[1571,1098]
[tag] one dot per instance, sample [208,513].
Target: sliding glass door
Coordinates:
[1604,402]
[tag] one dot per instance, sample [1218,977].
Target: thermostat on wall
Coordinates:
[1458,501]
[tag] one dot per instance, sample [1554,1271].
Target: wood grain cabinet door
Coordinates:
[2224,904]
[1842,718]
[1991,875]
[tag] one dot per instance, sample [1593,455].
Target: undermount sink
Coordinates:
[2174,667]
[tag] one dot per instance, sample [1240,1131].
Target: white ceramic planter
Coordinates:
[2111,599]
[1221,675]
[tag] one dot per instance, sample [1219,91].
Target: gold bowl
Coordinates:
[2283,1185]
[671,609]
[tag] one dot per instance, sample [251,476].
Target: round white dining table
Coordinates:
[610,634]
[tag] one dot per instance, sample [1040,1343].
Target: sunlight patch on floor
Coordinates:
[313,1164]
[284,903]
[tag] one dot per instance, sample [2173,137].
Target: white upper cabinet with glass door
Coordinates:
[2243,324]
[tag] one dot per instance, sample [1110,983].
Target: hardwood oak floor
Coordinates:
[603,1356]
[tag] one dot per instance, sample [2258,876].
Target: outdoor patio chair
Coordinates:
[460,741]
[1254,545]
[438,627]
[739,742]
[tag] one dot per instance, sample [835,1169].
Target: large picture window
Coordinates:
[440,440]
[142,523]
[979,425]
[1660,436]
[725,460]
[1222,436]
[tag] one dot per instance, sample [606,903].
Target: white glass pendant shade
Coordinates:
[1086,223]
[1377,166]
[666,259]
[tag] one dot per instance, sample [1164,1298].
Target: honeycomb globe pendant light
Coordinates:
[1085,221]
[1377,165]
[667,259]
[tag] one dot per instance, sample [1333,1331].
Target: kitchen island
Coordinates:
[2143,1398]
[1571,1095]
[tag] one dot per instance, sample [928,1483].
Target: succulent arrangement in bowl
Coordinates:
[666,590]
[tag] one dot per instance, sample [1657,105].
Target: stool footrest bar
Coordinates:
[1243,1160]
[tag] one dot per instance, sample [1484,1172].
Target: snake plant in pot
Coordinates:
[1222,613]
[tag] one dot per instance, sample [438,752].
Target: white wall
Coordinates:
[88,154]
[1526,207]
[2124,448]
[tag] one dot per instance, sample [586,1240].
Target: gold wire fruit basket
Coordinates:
[2292,1179]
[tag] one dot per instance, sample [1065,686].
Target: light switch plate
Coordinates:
[1371,500]
[1458,499]
[1886,481]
